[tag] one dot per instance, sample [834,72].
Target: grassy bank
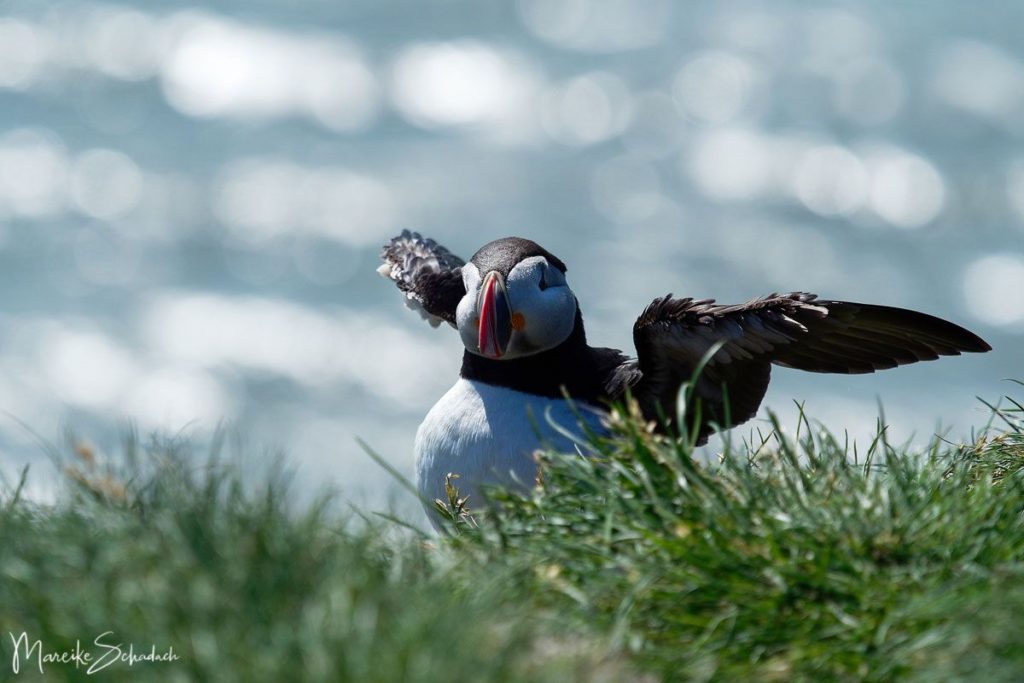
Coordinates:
[791,559]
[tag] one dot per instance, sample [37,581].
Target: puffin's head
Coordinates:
[517,302]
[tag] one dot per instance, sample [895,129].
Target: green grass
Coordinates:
[788,560]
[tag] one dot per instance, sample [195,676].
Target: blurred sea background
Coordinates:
[193,199]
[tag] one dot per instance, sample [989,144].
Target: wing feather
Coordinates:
[794,330]
[429,275]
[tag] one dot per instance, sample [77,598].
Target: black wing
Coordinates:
[793,330]
[428,274]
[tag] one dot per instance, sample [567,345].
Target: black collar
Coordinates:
[572,365]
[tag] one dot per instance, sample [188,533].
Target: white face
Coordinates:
[542,307]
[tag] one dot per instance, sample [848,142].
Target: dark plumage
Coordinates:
[502,255]
[672,336]
[427,273]
[792,330]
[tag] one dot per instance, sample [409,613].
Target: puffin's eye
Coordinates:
[543,284]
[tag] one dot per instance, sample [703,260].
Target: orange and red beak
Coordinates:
[495,314]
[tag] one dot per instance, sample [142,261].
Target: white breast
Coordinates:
[487,434]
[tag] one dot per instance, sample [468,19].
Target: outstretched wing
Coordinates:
[429,275]
[793,330]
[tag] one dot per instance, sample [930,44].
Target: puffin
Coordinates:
[529,379]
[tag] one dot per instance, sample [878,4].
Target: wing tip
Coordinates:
[945,337]
[977,345]
[963,340]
